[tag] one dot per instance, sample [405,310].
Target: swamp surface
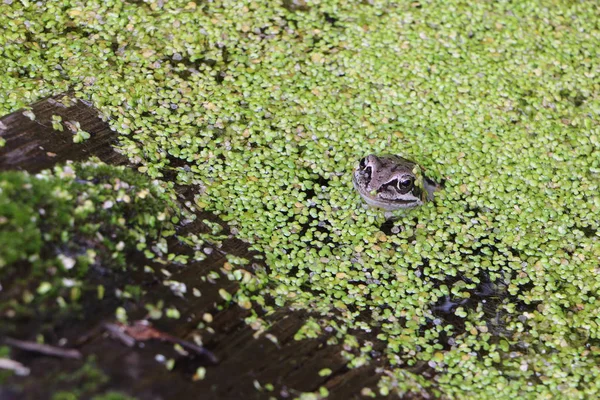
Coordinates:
[177,211]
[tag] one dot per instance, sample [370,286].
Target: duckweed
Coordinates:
[264,108]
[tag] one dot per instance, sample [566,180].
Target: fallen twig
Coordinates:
[43,348]
[143,330]
[15,366]
[117,331]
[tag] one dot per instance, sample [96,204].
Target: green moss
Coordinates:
[56,227]
[112,396]
[84,381]
[4,374]
[493,285]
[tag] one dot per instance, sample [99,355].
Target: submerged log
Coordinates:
[33,144]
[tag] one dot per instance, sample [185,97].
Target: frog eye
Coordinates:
[405,184]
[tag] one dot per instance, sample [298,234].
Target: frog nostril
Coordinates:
[367,172]
[362,163]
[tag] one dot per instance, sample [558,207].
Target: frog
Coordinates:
[392,182]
